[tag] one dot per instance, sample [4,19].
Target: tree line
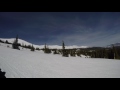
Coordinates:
[95,52]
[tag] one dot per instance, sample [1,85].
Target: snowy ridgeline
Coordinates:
[26,64]
[23,42]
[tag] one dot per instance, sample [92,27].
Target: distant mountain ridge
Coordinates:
[115,45]
[23,42]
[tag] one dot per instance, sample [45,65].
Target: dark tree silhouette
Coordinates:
[32,48]
[46,49]
[15,44]
[2,74]
[64,51]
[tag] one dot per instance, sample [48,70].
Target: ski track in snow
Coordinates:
[26,64]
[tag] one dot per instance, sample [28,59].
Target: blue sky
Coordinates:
[75,28]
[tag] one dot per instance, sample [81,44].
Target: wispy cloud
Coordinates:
[75,28]
[74,39]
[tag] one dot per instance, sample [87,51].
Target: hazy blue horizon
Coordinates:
[75,28]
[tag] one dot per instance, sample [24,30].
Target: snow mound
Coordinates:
[11,40]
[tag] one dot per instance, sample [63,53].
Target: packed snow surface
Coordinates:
[27,64]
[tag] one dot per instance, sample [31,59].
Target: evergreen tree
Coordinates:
[15,44]
[19,44]
[2,41]
[110,54]
[45,46]
[63,45]
[32,48]
[78,53]
[6,42]
[25,46]
[72,53]
[64,51]
[116,56]
[118,52]
[37,49]
[46,49]
[105,54]
[55,51]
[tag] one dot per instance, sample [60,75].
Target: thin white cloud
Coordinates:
[98,38]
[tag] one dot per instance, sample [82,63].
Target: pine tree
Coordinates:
[46,49]
[111,54]
[116,56]
[15,44]
[45,45]
[55,51]
[72,53]
[2,41]
[25,46]
[63,45]
[78,53]
[105,53]
[37,49]
[6,42]
[32,48]
[64,51]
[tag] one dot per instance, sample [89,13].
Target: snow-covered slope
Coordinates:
[26,64]
[11,40]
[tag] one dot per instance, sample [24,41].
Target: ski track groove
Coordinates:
[26,64]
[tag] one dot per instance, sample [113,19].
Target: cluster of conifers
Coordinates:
[108,53]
